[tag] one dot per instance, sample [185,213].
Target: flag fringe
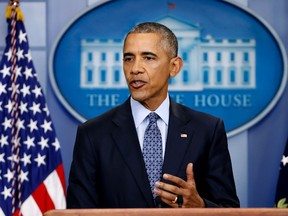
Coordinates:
[18,11]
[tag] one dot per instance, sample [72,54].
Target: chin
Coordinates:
[138,96]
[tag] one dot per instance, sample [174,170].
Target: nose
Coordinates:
[137,66]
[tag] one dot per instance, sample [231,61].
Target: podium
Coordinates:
[171,212]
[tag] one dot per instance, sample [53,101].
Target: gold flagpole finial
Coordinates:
[15,5]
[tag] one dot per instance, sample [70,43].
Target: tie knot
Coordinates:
[153,117]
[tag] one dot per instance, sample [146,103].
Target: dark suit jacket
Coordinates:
[108,169]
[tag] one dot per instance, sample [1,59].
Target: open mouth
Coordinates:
[137,83]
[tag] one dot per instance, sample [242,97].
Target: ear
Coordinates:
[175,66]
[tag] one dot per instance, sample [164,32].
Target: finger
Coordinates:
[174,179]
[165,194]
[170,203]
[190,173]
[168,187]
[166,197]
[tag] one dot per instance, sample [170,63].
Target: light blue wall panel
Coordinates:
[35,22]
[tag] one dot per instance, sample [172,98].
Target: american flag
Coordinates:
[281,196]
[32,177]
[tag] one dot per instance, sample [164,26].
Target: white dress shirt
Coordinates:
[140,113]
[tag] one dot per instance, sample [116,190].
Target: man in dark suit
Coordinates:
[109,169]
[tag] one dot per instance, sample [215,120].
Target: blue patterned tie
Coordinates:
[152,150]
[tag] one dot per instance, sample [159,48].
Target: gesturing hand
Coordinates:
[187,189]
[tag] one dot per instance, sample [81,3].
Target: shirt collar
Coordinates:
[139,112]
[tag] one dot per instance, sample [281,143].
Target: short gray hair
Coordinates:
[169,40]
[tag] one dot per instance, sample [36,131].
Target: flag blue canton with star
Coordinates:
[36,151]
[281,196]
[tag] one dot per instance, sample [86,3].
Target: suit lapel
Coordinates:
[178,139]
[125,137]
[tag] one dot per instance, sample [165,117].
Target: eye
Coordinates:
[149,58]
[127,59]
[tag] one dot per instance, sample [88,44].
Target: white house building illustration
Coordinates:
[209,63]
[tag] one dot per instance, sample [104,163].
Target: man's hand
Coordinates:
[187,189]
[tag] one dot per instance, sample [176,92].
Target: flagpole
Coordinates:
[15,147]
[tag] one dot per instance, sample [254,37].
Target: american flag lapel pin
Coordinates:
[183,135]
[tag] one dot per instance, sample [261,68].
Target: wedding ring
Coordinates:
[175,200]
